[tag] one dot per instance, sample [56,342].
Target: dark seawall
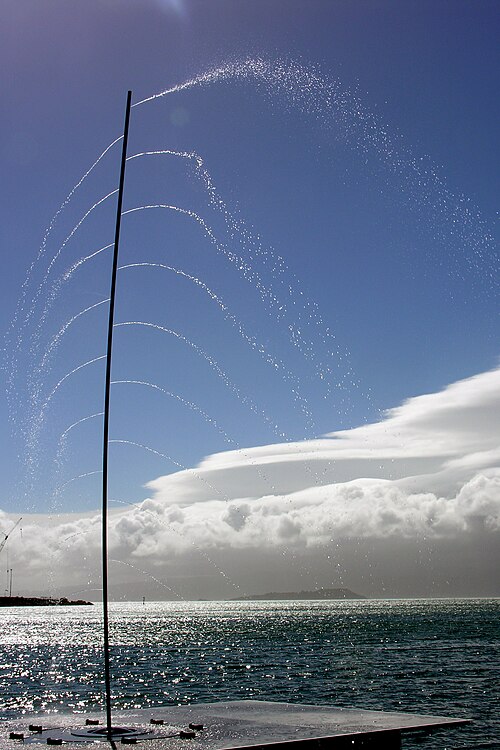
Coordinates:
[34,601]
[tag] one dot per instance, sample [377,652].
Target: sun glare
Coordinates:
[173,6]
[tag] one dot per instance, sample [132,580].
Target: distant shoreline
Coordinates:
[318,594]
[34,601]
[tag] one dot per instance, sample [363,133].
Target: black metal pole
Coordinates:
[107,672]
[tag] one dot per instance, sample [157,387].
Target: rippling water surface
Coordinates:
[425,656]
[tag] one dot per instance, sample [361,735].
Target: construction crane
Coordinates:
[6,536]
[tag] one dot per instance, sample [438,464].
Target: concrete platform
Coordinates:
[238,724]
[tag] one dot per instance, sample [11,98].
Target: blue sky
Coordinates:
[354,264]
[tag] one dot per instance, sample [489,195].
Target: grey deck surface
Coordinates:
[233,725]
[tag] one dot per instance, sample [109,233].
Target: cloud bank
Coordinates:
[428,473]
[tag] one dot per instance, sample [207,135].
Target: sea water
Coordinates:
[423,656]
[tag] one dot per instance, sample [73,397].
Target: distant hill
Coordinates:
[317,594]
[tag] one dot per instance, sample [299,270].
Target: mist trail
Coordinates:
[252,245]
[68,375]
[43,283]
[13,360]
[80,262]
[268,297]
[248,272]
[55,505]
[185,402]
[36,375]
[68,429]
[37,422]
[306,89]
[41,251]
[208,419]
[62,442]
[213,365]
[260,348]
[55,341]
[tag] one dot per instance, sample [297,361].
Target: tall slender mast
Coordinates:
[107,673]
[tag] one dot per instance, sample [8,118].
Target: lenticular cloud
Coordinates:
[430,467]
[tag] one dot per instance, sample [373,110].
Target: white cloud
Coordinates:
[429,470]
